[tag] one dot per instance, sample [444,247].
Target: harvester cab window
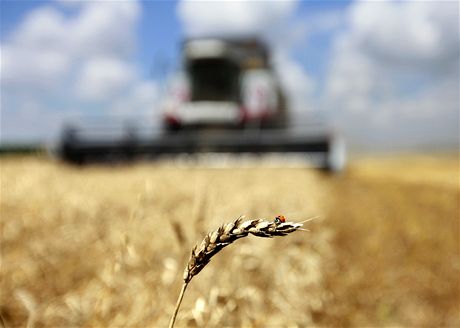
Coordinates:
[214,79]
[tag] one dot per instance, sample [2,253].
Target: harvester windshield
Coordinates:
[214,79]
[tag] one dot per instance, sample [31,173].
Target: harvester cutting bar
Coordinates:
[84,150]
[235,143]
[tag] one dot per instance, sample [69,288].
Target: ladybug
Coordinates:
[280,219]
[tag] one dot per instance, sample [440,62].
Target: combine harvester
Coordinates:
[226,100]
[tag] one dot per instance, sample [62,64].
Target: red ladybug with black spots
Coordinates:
[280,219]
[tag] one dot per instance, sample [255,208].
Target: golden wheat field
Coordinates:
[106,246]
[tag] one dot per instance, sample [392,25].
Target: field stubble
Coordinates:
[101,246]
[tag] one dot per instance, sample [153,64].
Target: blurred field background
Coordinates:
[106,247]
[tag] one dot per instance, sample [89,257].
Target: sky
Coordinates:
[385,73]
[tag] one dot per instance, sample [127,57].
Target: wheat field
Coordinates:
[106,246]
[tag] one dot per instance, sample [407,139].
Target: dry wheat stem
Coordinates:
[223,236]
[179,301]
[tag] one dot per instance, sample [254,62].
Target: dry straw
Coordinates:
[225,235]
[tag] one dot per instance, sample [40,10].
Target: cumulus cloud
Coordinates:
[233,17]
[103,78]
[396,67]
[406,33]
[105,28]
[27,67]
[96,28]
[298,86]
[140,99]
[76,60]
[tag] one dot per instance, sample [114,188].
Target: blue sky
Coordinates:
[393,65]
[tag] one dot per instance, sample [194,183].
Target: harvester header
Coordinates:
[225,99]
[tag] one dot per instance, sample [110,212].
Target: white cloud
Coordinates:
[102,78]
[232,17]
[396,68]
[41,29]
[27,67]
[297,84]
[48,45]
[74,60]
[97,28]
[139,99]
[105,28]
[409,33]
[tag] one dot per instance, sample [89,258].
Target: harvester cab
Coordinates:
[225,83]
[226,99]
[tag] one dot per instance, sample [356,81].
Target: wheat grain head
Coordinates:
[227,234]
[223,236]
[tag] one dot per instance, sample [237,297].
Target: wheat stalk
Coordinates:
[223,236]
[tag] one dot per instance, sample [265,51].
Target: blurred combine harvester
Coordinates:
[226,100]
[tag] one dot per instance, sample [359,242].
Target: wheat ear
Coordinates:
[223,236]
